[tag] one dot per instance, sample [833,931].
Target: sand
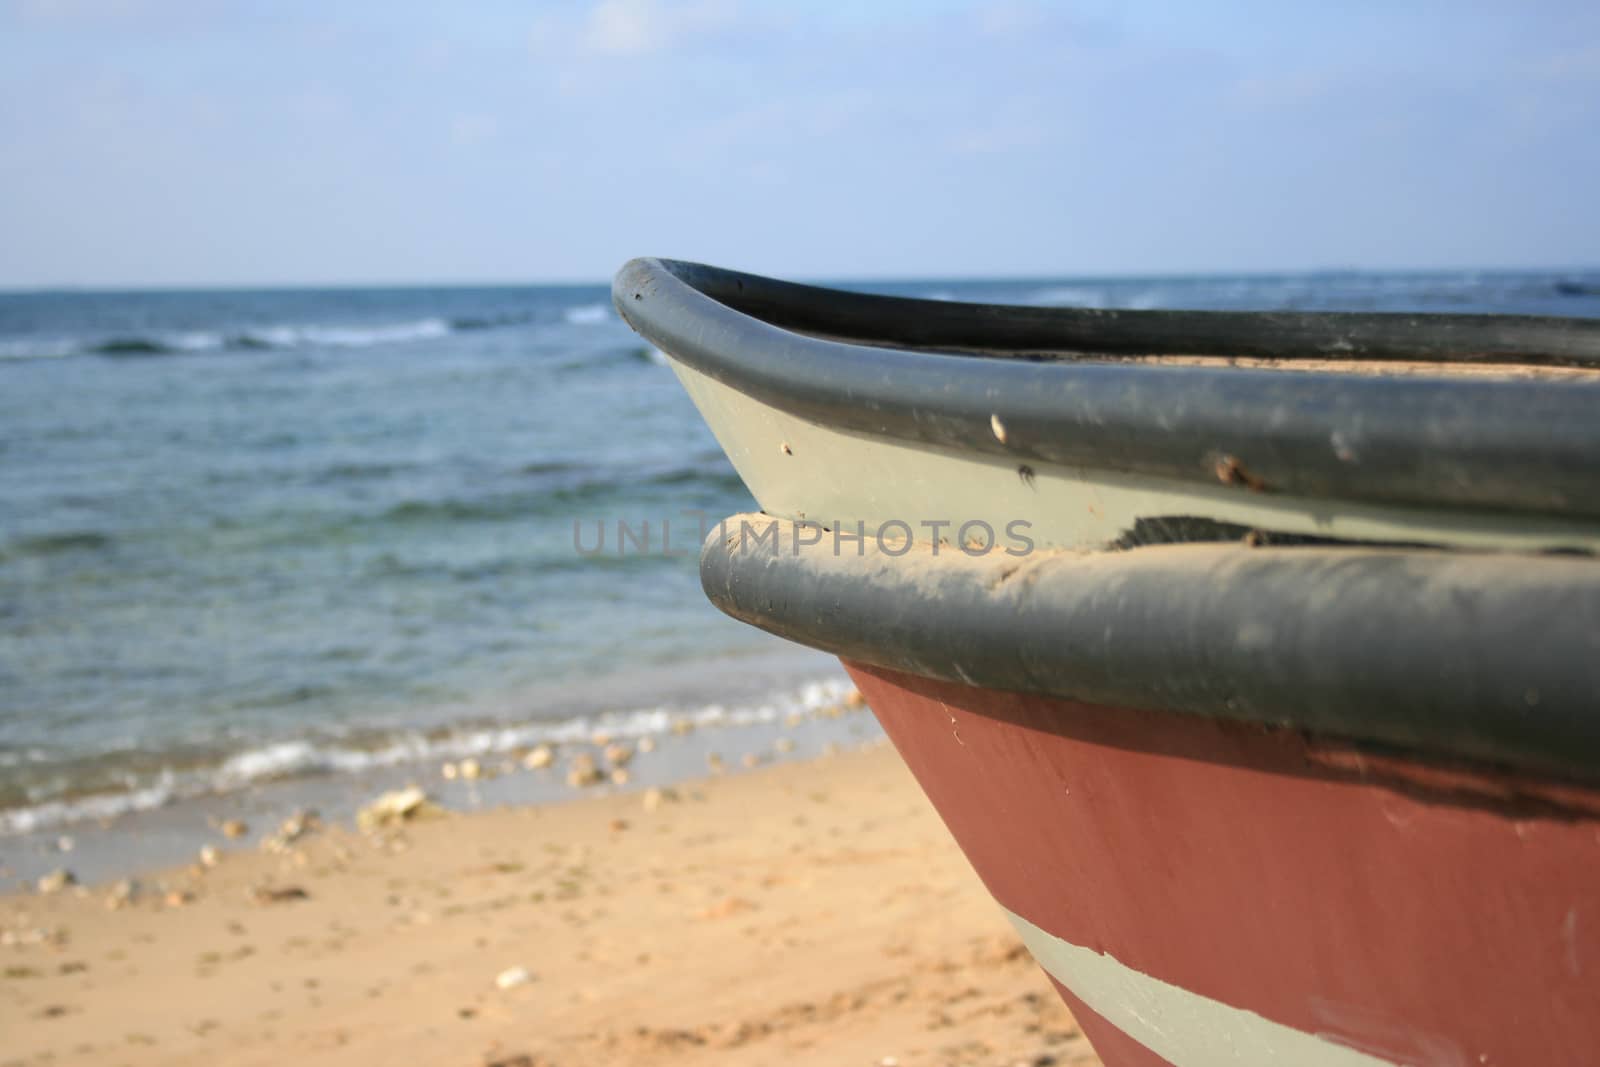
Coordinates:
[806,913]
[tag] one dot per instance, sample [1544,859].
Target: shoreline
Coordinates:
[777,706]
[811,912]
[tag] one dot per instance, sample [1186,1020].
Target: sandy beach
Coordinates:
[810,913]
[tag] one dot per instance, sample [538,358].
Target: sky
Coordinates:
[203,142]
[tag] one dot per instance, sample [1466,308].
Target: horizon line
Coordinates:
[98,287]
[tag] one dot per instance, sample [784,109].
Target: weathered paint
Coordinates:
[797,469]
[1414,919]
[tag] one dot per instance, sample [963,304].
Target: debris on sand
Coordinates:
[57,880]
[397,806]
[177,898]
[470,769]
[265,894]
[654,798]
[715,762]
[293,829]
[582,771]
[512,977]
[620,776]
[618,754]
[209,856]
[727,906]
[123,894]
[539,757]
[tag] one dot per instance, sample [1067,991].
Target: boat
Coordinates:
[1252,659]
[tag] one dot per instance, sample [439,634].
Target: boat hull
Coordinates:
[1209,892]
[1250,658]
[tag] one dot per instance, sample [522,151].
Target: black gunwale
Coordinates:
[912,370]
[1483,658]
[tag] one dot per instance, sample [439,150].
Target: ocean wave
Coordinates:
[52,544]
[298,758]
[344,336]
[563,484]
[1066,296]
[587,314]
[253,338]
[468,323]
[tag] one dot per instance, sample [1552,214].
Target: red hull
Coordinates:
[1416,915]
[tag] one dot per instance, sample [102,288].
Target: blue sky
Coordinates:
[189,142]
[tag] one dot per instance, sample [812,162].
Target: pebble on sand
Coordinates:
[783,744]
[751,759]
[470,769]
[123,894]
[512,977]
[540,757]
[647,744]
[715,762]
[654,798]
[293,829]
[854,699]
[57,880]
[620,776]
[682,726]
[582,771]
[234,828]
[209,856]
[618,754]
[397,806]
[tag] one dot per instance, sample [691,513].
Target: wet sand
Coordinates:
[807,913]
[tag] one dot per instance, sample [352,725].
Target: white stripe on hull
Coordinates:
[1184,1028]
[800,469]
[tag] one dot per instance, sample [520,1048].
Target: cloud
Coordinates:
[638,27]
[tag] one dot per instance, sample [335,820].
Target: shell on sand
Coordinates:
[539,757]
[512,977]
[618,754]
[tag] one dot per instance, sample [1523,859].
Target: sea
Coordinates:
[260,543]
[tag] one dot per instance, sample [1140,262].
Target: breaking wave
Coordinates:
[587,314]
[279,760]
